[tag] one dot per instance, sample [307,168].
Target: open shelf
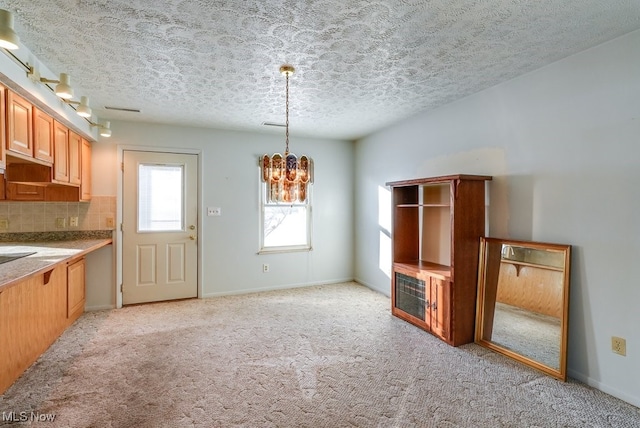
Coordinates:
[423,267]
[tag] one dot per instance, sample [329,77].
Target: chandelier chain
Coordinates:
[287,117]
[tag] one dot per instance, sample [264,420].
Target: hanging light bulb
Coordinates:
[287,176]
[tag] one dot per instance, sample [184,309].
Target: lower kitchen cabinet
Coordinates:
[34,313]
[75,289]
[32,316]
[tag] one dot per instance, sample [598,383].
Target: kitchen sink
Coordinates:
[4,258]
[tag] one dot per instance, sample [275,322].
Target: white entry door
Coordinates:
[159,219]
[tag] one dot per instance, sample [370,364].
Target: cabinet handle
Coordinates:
[434,306]
[47,277]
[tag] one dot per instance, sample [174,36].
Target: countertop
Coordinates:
[48,255]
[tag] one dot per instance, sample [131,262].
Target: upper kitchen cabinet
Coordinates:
[75,158]
[42,135]
[3,127]
[61,153]
[19,126]
[85,171]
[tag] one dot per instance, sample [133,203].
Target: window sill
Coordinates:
[285,250]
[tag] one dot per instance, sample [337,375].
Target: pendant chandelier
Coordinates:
[287,177]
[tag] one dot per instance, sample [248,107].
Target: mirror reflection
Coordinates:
[523,302]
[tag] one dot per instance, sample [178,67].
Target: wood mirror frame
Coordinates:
[523,302]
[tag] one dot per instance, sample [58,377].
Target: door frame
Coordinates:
[119,208]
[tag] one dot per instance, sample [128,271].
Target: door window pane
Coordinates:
[160,198]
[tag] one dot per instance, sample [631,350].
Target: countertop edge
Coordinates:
[39,271]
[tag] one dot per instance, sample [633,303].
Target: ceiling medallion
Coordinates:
[287,177]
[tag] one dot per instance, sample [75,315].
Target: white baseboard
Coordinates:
[604,388]
[386,290]
[98,308]
[276,287]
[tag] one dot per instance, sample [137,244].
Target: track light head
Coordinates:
[8,37]
[63,88]
[83,108]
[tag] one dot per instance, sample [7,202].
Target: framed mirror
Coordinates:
[523,302]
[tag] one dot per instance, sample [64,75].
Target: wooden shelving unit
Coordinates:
[437,225]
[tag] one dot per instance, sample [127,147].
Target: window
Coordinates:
[160,199]
[284,226]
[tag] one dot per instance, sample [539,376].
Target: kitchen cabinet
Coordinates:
[75,289]
[32,316]
[75,158]
[85,171]
[24,192]
[39,298]
[437,225]
[3,128]
[61,153]
[42,159]
[42,136]
[19,125]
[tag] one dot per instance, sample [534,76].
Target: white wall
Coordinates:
[229,244]
[563,145]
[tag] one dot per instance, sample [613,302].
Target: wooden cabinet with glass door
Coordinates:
[437,225]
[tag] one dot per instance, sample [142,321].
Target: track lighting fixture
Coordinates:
[63,88]
[104,128]
[9,40]
[83,109]
[8,37]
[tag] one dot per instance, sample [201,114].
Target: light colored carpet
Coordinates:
[323,356]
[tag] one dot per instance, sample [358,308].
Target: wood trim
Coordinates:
[441,179]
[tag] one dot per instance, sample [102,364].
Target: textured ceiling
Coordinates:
[361,65]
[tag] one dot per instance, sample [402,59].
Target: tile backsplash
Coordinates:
[98,214]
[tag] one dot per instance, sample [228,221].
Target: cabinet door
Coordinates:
[75,289]
[30,321]
[42,136]
[75,158]
[439,310]
[24,192]
[85,171]
[20,125]
[3,127]
[61,153]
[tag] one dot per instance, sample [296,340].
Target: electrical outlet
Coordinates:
[619,345]
[4,223]
[111,222]
[73,221]
[61,222]
[265,268]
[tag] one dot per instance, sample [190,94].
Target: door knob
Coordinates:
[192,227]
